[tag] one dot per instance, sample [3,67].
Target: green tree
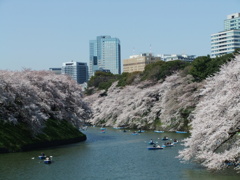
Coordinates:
[127,78]
[204,66]
[161,69]
[102,80]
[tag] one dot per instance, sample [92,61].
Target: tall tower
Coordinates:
[227,41]
[105,53]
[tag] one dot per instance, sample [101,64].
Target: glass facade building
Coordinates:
[77,70]
[105,53]
[228,40]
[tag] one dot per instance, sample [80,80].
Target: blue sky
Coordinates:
[39,34]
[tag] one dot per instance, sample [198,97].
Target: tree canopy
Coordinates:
[215,139]
[201,68]
[35,96]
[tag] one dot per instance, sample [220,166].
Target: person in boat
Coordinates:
[42,154]
[151,141]
[175,140]
[165,138]
[154,145]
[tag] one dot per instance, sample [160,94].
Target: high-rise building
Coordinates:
[77,70]
[232,22]
[227,41]
[138,62]
[105,53]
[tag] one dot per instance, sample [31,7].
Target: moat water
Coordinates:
[105,156]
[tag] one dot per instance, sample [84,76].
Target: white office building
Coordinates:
[227,41]
[56,70]
[173,57]
[232,22]
[77,70]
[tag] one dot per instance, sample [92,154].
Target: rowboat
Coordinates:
[155,148]
[48,160]
[159,131]
[165,138]
[175,142]
[151,142]
[181,132]
[168,145]
[42,157]
[118,127]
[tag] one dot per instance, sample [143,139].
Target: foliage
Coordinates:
[127,78]
[204,66]
[214,140]
[160,70]
[102,80]
[200,69]
[105,85]
[154,71]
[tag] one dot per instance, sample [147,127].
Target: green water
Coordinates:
[110,155]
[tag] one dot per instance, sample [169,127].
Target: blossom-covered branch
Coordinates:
[215,140]
[34,96]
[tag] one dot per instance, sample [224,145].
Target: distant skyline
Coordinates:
[43,34]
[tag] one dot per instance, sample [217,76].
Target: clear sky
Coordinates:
[39,34]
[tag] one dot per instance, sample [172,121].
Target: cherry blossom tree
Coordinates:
[215,140]
[147,104]
[34,96]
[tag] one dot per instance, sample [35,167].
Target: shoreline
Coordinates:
[47,144]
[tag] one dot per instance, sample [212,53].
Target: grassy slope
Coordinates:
[19,137]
